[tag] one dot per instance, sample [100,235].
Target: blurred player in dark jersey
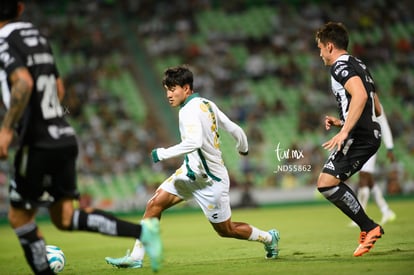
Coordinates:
[366,183]
[45,161]
[360,133]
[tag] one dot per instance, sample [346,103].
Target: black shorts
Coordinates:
[43,176]
[350,159]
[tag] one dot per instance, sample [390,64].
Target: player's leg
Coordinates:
[23,223]
[367,185]
[65,217]
[366,180]
[339,167]
[244,231]
[363,191]
[62,171]
[214,200]
[342,196]
[364,184]
[387,214]
[24,192]
[155,206]
[93,220]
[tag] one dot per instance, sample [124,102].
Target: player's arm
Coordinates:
[356,89]
[385,128]
[192,139]
[332,121]
[235,131]
[60,89]
[359,97]
[21,88]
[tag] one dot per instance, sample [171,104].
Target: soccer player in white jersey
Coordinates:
[366,184]
[203,175]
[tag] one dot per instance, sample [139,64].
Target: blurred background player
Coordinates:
[366,183]
[45,161]
[202,175]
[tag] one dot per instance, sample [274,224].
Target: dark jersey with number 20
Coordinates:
[343,69]
[43,124]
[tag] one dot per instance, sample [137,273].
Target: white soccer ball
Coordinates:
[56,258]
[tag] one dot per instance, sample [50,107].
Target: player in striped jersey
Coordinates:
[45,161]
[360,134]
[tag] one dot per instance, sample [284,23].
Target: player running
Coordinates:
[203,175]
[45,161]
[360,134]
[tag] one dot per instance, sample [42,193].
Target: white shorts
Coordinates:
[369,166]
[212,196]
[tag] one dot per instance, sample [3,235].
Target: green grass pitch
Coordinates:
[315,239]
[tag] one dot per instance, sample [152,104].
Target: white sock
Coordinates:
[363,196]
[138,251]
[379,199]
[260,236]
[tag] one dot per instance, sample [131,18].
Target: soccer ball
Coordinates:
[56,258]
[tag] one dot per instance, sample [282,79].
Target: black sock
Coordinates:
[34,248]
[105,223]
[344,198]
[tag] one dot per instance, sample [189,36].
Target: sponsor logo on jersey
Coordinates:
[329,165]
[56,132]
[339,68]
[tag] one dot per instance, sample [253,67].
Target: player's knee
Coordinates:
[18,218]
[63,221]
[13,220]
[63,225]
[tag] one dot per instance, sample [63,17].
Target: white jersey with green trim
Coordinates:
[199,123]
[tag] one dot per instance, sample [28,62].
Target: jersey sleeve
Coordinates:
[191,137]
[235,130]
[9,59]
[385,130]
[342,71]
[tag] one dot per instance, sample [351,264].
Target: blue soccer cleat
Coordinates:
[272,249]
[151,239]
[124,262]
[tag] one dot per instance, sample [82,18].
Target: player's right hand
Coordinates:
[6,137]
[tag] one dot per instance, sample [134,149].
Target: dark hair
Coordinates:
[179,75]
[8,9]
[333,32]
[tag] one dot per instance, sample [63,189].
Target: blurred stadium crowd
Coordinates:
[257,59]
